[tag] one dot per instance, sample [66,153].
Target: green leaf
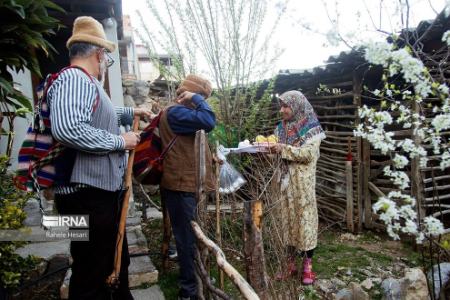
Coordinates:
[17,9]
[51,5]
[23,100]
[6,85]
[23,112]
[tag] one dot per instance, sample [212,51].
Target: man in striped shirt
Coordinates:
[90,172]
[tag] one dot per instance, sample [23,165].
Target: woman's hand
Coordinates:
[276,148]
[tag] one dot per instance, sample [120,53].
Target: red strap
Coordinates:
[55,76]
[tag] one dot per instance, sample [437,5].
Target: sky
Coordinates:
[357,21]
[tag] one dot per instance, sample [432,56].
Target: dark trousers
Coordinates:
[93,260]
[182,209]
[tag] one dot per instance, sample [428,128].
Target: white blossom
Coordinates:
[378,53]
[445,160]
[397,209]
[446,37]
[410,147]
[420,237]
[400,161]
[383,204]
[410,227]
[389,93]
[443,88]
[441,122]
[381,117]
[433,226]
[392,234]
[423,162]
[333,37]
[407,212]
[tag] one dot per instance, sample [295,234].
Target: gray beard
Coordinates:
[102,73]
[102,79]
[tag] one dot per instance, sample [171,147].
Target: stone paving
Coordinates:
[56,254]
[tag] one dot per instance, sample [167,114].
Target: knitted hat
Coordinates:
[195,84]
[89,30]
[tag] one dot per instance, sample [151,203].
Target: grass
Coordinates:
[334,257]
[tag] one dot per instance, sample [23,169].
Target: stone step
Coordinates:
[142,270]
[151,293]
[153,213]
[46,250]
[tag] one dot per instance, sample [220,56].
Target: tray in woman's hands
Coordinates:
[264,144]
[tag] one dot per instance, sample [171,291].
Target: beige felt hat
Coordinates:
[195,84]
[89,30]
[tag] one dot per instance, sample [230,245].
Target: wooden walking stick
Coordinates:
[113,279]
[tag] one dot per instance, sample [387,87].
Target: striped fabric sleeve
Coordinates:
[72,98]
[121,110]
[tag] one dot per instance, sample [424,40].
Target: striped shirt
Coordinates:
[95,133]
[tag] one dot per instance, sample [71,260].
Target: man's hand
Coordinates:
[131,139]
[143,112]
[185,98]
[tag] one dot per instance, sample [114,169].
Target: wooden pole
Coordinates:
[167,233]
[253,248]
[365,188]
[218,229]
[243,286]
[200,143]
[416,175]
[349,185]
[113,278]
[359,167]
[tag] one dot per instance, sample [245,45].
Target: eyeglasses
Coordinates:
[109,59]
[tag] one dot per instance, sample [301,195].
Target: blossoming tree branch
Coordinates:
[406,83]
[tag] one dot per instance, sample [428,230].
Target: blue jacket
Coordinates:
[184,120]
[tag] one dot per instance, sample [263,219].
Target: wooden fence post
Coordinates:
[200,143]
[167,232]
[349,185]
[416,175]
[357,82]
[365,187]
[218,228]
[253,248]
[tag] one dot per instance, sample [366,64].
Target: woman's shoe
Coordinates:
[290,271]
[308,276]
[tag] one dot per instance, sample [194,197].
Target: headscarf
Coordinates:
[303,126]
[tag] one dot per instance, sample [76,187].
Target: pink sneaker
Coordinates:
[308,276]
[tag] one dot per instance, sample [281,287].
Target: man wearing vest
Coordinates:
[178,184]
[91,169]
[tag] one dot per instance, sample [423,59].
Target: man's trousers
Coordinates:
[93,260]
[182,209]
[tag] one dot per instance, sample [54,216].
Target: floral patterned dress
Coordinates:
[297,206]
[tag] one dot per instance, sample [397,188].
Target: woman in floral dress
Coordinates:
[299,136]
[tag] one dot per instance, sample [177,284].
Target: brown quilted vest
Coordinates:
[179,164]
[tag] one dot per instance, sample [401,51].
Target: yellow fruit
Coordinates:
[260,139]
[272,139]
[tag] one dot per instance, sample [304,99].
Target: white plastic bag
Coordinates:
[229,178]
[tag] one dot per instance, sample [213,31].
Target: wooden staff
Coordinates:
[113,279]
